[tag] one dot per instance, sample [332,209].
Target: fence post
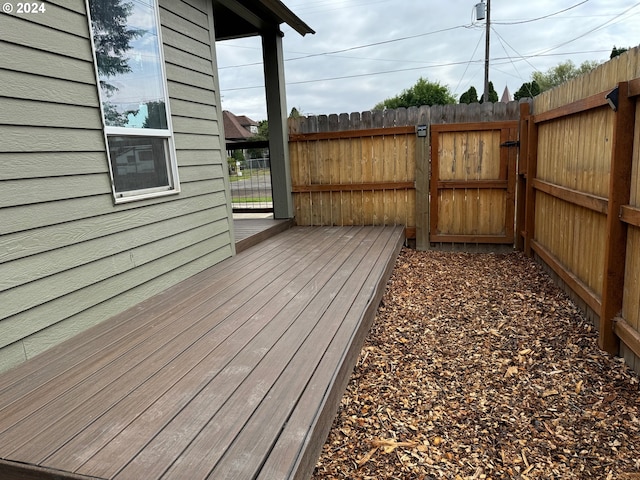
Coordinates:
[422,181]
[619,195]
[530,194]
[521,183]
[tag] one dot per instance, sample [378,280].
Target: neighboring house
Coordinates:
[112,182]
[238,128]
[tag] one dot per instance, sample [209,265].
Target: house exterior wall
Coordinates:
[69,257]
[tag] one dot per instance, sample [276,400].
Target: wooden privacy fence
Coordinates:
[579,190]
[358,177]
[575,196]
[373,169]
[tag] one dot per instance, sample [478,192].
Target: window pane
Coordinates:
[139,162]
[125,35]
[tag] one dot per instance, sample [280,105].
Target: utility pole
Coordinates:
[486,54]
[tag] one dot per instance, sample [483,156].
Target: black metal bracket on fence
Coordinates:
[511,143]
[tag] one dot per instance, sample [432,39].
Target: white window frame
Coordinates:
[173,186]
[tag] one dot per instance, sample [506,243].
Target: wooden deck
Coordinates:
[234,373]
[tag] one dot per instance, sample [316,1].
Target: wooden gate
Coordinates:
[473,173]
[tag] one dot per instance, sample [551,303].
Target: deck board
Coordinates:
[113,331]
[234,373]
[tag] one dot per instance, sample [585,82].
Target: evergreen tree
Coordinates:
[295,113]
[493,95]
[156,115]
[527,90]
[470,96]
[111,38]
[617,51]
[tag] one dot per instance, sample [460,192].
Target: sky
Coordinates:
[364,52]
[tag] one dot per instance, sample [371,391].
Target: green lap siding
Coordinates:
[69,257]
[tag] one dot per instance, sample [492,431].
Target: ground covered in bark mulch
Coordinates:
[479,367]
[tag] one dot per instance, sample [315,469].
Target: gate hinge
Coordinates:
[511,143]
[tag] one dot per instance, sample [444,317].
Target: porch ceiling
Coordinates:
[245,18]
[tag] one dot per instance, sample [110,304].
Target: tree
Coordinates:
[156,115]
[470,96]
[262,135]
[238,155]
[561,73]
[263,130]
[527,90]
[112,39]
[295,113]
[422,93]
[113,117]
[493,95]
[617,51]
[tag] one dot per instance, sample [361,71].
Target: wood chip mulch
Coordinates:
[478,366]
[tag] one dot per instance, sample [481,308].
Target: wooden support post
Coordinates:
[619,195]
[521,181]
[422,193]
[277,116]
[423,178]
[530,194]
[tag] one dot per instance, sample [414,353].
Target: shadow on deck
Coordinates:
[234,373]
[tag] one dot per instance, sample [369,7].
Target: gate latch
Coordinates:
[511,143]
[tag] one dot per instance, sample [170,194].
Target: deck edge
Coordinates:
[310,451]
[22,471]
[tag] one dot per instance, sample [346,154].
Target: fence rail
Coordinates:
[580,171]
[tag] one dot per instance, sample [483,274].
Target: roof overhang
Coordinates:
[247,18]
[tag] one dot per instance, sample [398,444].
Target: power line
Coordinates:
[334,52]
[541,18]
[592,30]
[436,65]
[468,63]
[518,53]
[358,47]
[449,64]
[502,42]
